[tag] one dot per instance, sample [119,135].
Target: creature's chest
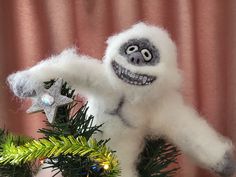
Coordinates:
[119,109]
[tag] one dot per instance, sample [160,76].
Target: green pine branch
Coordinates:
[54,147]
[68,148]
[77,124]
[16,170]
[72,122]
[157,158]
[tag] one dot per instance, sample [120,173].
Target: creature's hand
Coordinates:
[227,168]
[22,84]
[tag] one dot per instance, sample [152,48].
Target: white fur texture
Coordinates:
[157,109]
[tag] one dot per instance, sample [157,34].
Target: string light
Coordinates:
[106,166]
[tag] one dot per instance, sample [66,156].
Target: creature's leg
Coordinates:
[81,72]
[127,143]
[186,129]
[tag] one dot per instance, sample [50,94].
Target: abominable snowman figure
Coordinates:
[134,91]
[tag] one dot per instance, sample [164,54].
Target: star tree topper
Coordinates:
[48,100]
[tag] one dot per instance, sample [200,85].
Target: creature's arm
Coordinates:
[192,134]
[81,72]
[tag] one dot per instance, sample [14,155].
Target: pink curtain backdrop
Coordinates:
[204,31]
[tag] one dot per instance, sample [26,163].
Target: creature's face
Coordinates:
[137,52]
[141,58]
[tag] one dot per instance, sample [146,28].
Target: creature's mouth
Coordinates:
[130,77]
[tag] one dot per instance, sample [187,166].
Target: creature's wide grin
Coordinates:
[130,77]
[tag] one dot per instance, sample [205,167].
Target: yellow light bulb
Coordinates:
[106,167]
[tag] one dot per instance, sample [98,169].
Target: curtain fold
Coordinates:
[204,32]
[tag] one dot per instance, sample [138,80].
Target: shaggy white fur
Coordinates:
[131,112]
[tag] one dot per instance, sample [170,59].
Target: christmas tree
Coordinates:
[68,146]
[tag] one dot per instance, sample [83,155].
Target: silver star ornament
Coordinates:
[48,100]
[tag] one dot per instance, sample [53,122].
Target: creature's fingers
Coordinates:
[228,166]
[22,84]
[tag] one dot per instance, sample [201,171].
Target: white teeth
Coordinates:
[144,79]
[119,70]
[130,77]
[130,74]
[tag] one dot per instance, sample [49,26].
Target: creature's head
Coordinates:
[142,58]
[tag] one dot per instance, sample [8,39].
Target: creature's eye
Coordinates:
[131,49]
[146,54]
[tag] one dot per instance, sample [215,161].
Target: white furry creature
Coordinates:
[134,91]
